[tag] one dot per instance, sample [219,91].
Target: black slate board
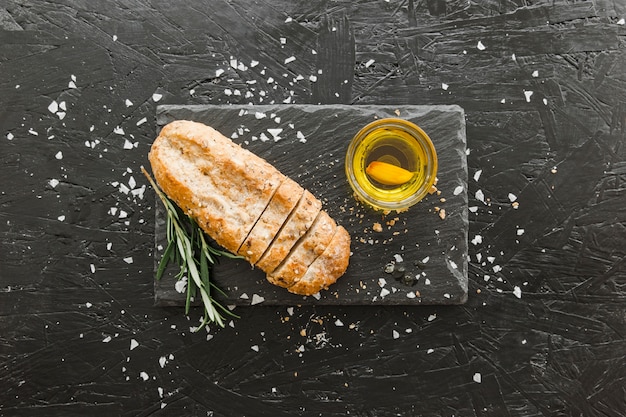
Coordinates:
[311,149]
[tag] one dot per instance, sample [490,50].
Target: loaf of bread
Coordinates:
[248,207]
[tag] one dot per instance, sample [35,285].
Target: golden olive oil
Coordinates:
[401,144]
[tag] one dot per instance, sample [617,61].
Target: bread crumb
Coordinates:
[432,189]
[377,227]
[442,214]
[515,204]
[303,332]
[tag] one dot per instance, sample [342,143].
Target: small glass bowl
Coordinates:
[400,143]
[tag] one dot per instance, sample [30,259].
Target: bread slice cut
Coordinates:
[304,252]
[296,225]
[278,210]
[223,186]
[327,268]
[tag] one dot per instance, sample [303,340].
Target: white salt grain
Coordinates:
[133,344]
[517,291]
[480,46]
[477,378]
[59,155]
[256,299]
[458,190]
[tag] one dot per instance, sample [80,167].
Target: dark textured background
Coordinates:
[543,85]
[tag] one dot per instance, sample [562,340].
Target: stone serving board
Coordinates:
[311,149]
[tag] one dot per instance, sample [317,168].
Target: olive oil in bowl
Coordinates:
[391,164]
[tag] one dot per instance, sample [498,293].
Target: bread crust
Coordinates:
[304,252]
[327,268]
[295,227]
[280,206]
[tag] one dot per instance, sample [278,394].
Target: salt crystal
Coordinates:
[53,183]
[53,107]
[133,344]
[181,285]
[254,63]
[106,339]
[432,317]
[256,299]
[528,94]
[384,292]
[142,121]
[313,78]
[535,74]
[517,291]
[263,137]
[61,115]
[275,133]
[300,136]
[477,378]
[259,115]
[156,97]
[88,304]
[128,103]
[458,190]
[477,175]
[480,46]
[61,218]
[118,130]
[444,86]
[244,296]
[369,63]
[429,351]
[290,59]
[255,348]
[395,334]
[128,144]
[512,197]
[114,38]
[520,232]
[228,92]
[10,136]
[288,20]
[426,259]
[33,132]
[92,267]
[621,21]
[477,239]
[128,260]
[480,196]
[497,268]
[398,258]
[59,155]
[144,375]
[219,72]
[71,84]
[338,323]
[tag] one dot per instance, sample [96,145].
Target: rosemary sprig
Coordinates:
[188,248]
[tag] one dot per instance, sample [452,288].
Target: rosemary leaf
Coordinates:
[188,248]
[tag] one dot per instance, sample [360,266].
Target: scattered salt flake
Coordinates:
[426,259]
[517,291]
[114,38]
[71,84]
[106,339]
[477,175]
[244,296]
[444,86]
[33,132]
[528,95]
[53,183]
[429,351]
[61,115]
[254,63]
[256,299]
[480,196]
[263,137]
[118,130]
[181,285]
[255,348]
[61,218]
[59,155]
[128,260]
[288,20]
[477,378]
[382,281]
[432,317]
[290,311]
[497,268]
[128,103]
[92,268]
[513,57]
[453,264]
[410,294]
[88,304]
[384,292]
[228,92]
[133,344]
[535,74]
[395,334]
[313,78]
[520,232]
[338,323]
[477,239]
[369,63]
[301,136]
[162,361]
[290,59]
[621,21]
[53,107]
[144,375]
[156,97]
[259,115]
[275,133]
[128,144]
[512,197]
[317,295]
[10,136]
[458,190]
[480,46]
[398,257]
[142,121]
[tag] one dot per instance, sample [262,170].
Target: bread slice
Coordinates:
[293,229]
[280,206]
[327,268]
[304,252]
[224,187]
